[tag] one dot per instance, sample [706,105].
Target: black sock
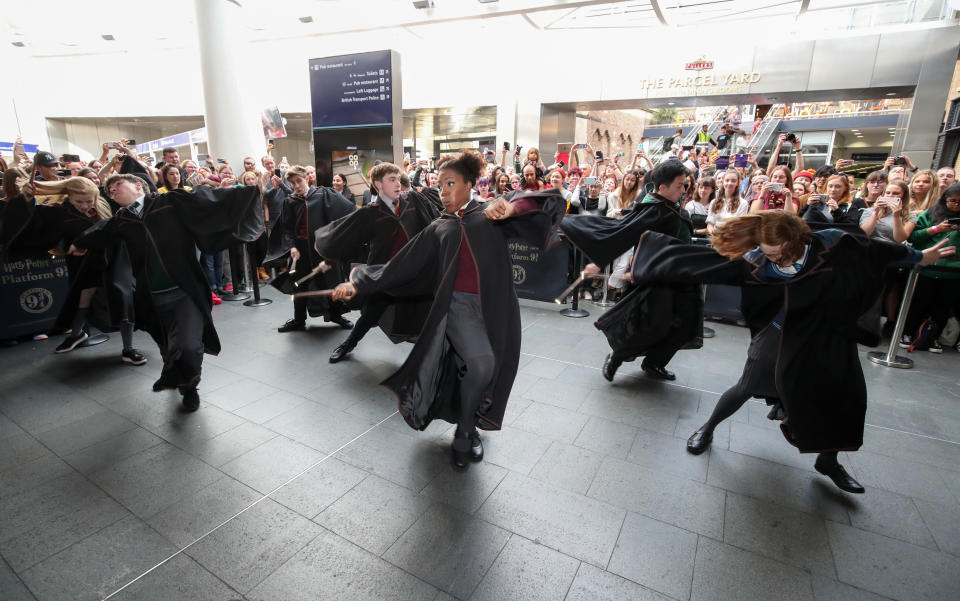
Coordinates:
[79,321]
[730,401]
[126,333]
[827,459]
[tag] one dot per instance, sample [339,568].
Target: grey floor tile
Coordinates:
[11,587]
[606,437]
[943,522]
[249,548]
[99,564]
[594,584]
[656,555]
[315,490]
[515,408]
[543,368]
[195,515]
[825,589]
[806,491]
[21,448]
[892,568]
[319,427]
[239,393]
[231,444]
[112,450]
[40,408]
[725,572]
[21,478]
[671,499]
[85,432]
[51,517]
[373,514]
[568,467]
[528,571]
[449,549]
[187,430]
[573,524]
[155,479]
[269,465]
[778,532]
[667,453]
[892,515]
[909,478]
[182,579]
[514,449]
[566,395]
[465,490]
[333,569]
[408,459]
[7,429]
[765,441]
[270,406]
[626,406]
[551,422]
[901,445]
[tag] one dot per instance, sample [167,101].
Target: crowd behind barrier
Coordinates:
[898,201]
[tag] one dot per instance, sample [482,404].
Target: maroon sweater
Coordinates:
[467,278]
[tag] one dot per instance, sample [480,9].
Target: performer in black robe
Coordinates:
[307,209]
[162,233]
[803,293]
[98,291]
[652,320]
[464,362]
[382,227]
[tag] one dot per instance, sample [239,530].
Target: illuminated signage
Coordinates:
[700,64]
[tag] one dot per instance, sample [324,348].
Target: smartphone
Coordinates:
[889,199]
[203,157]
[599,155]
[589,180]
[221,161]
[130,142]
[722,162]
[776,187]
[899,161]
[581,146]
[688,147]
[954,221]
[506,145]
[740,160]
[640,147]
[814,198]
[71,158]
[63,172]
[111,145]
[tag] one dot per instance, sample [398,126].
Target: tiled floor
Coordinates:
[298,480]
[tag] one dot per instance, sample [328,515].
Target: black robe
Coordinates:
[648,313]
[322,206]
[369,235]
[426,384]
[818,375]
[176,224]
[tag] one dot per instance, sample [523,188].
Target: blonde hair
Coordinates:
[80,186]
[933,194]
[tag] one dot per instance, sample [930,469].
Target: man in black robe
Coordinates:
[161,233]
[462,367]
[803,296]
[383,227]
[655,321]
[307,209]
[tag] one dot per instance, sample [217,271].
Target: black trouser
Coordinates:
[370,314]
[467,334]
[934,298]
[183,325]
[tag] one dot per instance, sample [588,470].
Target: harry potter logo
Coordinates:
[519,275]
[36,300]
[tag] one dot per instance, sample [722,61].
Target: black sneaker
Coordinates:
[293,326]
[191,399]
[935,347]
[71,342]
[906,341]
[133,357]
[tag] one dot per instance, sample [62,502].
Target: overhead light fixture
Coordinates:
[487,1]
[891,93]
[307,19]
[18,44]
[671,103]
[108,37]
[421,4]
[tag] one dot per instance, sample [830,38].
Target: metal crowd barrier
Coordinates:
[890,358]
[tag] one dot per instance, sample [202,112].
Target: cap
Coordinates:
[45,159]
[809,173]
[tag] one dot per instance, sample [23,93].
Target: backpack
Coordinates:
[925,337]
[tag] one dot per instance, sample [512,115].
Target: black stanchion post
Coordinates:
[574,310]
[707,332]
[256,301]
[890,358]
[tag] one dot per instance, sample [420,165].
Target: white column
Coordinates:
[233,127]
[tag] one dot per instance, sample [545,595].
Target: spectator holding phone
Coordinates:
[874,186]
[502,185]
[701,199]
[938,287]
[775,156]
[899,167]
[728,203]
[776,194]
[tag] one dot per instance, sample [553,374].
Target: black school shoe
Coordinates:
[133,357]
[71,342]
[293,325]
[840,477]
[191,399]
[476,446]
[610,367]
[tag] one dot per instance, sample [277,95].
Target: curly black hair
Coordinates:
[469,164]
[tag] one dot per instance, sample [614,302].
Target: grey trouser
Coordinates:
[468,335]
[183,326]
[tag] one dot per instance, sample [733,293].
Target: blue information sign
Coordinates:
[352,90]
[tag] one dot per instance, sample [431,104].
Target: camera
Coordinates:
[519,148]
[599,155]
[792,138]
[899,161]
[506,145]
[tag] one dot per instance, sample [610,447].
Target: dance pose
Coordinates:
[803,293]
[39,228]
[462,367]
[307,209]
[655,321]
[162,233]
[383,227]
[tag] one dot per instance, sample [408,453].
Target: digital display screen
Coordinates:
[352,90]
